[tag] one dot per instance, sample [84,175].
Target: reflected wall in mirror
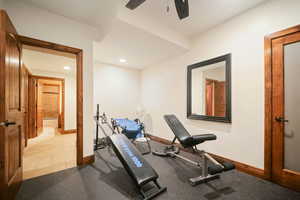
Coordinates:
[209,90]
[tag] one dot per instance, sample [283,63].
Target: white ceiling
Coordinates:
[148,34]
[137,46]
[93,12]
[204,14]
[42,60]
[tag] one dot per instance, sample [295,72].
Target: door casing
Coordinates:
[268,54]
[79,84]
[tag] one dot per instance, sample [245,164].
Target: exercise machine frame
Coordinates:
[101,119]
[173,151]
[208,172]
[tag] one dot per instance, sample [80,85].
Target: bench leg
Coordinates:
[205,177]
[200,179]
[153,192]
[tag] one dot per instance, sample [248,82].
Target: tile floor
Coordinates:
[49,152]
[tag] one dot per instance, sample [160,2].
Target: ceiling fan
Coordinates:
[182,6]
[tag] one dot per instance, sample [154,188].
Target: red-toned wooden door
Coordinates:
[209,98]
[11,113]
[220,99]
[286,110]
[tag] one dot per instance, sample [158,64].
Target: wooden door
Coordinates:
[32,99]
[25,76]
[11,114]
[209,98]
[286,110]
[51,101]
[220,99]
[39,108]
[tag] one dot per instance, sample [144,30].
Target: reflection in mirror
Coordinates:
[208,90]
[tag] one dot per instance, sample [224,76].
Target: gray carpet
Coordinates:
[107,180]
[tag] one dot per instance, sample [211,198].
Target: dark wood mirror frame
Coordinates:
[227,117]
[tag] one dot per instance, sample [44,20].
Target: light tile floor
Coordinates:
[49,152]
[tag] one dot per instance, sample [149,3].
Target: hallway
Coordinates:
[49,152]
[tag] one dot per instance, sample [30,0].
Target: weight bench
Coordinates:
[136,166]
[188,141]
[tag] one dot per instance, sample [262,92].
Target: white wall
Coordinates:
[40,24]
[117,90]
[1,3]
[70,96]
[198,91]
[164,85]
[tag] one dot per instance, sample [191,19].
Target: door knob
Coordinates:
[281,119]
[7,123]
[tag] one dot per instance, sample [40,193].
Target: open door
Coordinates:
[220,99]
[39,108]
[32,99]
[25,76]
[209,91]
[11,113]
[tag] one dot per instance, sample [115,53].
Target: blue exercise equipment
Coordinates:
[133,130]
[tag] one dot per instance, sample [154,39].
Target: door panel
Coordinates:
[25,75]
[51,105]
[14,153]
[11,115]
[39,107]
[285,137]
[51,101]
[32,127]
[209,97]
[291,107]
[14,74]
[220,99]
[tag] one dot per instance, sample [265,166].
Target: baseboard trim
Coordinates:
[239,166]
[88,160]
[70,131]
[243,167]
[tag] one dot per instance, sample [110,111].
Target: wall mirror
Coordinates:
[209,90]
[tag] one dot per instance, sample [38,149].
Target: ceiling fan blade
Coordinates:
[182,7]
[133,4]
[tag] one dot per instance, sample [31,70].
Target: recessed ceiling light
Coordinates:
[67,67]
[123,60]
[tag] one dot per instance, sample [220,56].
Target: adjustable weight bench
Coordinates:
[136,166]
[188,141]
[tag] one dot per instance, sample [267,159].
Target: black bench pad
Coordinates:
[137,167]
[184,137]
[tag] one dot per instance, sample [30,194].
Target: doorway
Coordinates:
[51,139]
[14,103]
[215,92]
[282,112]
